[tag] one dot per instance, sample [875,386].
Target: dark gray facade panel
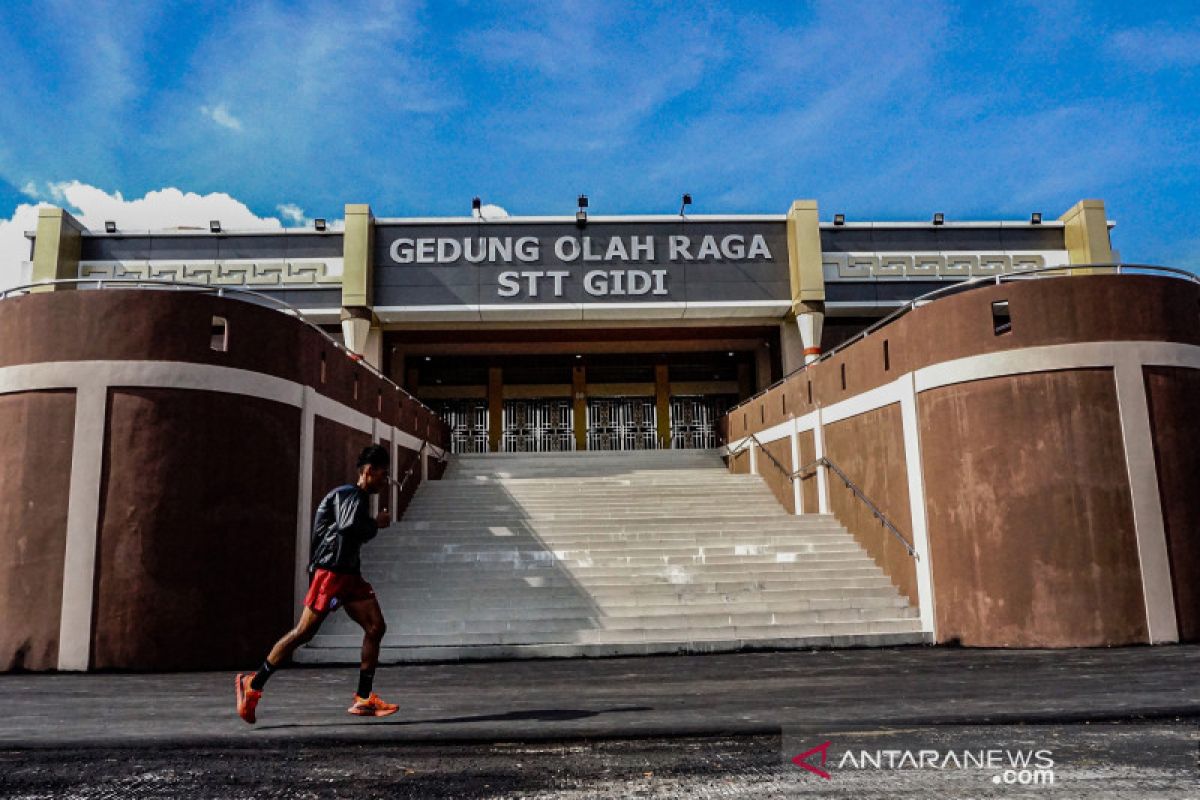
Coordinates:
[114,248]
[308,298]
[879,291]
[199,247]
[935,239]
[262,248]
[987,239]
[1033,238]
[436,295]
[183,248]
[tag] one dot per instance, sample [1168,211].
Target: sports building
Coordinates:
[939,431]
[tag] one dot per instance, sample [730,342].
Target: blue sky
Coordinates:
[879,111]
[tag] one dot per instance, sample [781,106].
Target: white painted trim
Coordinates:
[673,218]
[1148,524]
[822,471]
[916,503]
[304,496]
[83,520]
[797,493]
[753,458]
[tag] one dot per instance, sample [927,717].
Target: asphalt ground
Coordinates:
[1119,723]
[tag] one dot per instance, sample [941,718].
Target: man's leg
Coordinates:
[370,617]
[305,630]
[249,687]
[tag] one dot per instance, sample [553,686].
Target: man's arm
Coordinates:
[354,518]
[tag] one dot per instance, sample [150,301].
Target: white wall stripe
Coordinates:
[304,497]
[83,518]
[797,490]
[1148,523]
[823,506]
[916,504]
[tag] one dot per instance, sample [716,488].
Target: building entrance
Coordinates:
[622,423]
[538,425]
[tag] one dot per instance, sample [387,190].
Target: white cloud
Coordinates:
[292,213]
[220,115]
[164,208]
[1157,47]
[30,190]
[489,211]
[14,247]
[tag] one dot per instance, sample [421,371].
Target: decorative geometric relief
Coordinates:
[1023,262]
[927,264]
[860,266]
[992,264]
[960,266]
[216,273]
[892,266]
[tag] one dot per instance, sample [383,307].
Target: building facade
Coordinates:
[534,334]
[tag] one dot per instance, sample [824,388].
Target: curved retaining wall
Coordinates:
[1047,475]
[155,493]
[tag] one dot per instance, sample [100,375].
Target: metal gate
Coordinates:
[538,426]
[694,420]
[468,421]
[622,423]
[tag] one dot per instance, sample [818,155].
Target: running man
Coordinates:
[342,525]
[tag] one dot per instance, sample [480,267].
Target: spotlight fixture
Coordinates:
[476,204]
[583,201]
[320,224]
[581,214]
[939,218]
[687,201]
[1035,218]
[110,226]
[839,219]
[214,226]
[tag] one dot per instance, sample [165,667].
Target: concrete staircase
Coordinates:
[545,555]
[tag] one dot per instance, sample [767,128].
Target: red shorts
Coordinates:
[330,590]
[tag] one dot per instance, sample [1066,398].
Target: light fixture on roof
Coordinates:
[1035,218]
[581,214]
[214,226]
[839,219]
[110,226]
[476,204]
[939,218]
[320,224]
[687,201]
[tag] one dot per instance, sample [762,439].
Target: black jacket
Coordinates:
[342,524]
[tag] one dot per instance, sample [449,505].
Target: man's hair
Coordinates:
[376,456]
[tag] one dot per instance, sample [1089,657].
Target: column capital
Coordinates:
[804,253]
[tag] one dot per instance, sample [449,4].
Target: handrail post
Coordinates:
[753,457]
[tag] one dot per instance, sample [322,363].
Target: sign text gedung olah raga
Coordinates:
[614,259]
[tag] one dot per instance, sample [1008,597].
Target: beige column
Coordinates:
[762,367]
[1086,233]
[56,249]
[662,402]
[360,329]
[807,277]
[579,405]
[495,397]
[791,347]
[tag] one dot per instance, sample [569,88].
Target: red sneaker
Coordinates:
[372,706]
[247,698]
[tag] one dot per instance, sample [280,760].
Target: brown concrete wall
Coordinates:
[1174,399]
[869,448]
[36,431]
[1029,514]
[774,476]
[335,453]
[196,550]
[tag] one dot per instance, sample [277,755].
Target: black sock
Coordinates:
[260,678]
[366,678]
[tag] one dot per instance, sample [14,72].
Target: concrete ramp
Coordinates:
[593,554]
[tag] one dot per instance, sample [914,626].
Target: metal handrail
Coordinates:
[282,306]
[966,286]
[851,485]
[399,484]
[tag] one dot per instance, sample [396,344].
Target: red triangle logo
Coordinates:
[802,760]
